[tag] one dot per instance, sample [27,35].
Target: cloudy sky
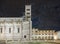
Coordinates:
[45,13]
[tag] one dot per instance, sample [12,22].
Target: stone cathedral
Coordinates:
[20,29]
[13,28]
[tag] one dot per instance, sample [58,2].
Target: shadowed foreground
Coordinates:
[41,43]
[30,43]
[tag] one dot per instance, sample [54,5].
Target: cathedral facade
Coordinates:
[17,28]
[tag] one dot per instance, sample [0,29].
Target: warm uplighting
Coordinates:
[55,37]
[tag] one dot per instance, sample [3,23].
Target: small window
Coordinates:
[28,9]
[35,31]
[28,13]
[18,30]
[9,30]
[0,30]
[39,34]
[24,36]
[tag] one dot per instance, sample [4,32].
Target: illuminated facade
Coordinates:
[17,29]
[20,29]
[43,34]
[58,35]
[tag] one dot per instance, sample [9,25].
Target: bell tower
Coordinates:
[27,24]
[28,10]
[28,17]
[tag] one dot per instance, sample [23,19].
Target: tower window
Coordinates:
[28,9]
[28,16]
[1,30]
[9,30]
[28,13]
[18,30]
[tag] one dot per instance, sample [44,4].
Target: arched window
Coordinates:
[18,30]
[0,30]
[39,37]
[9,30]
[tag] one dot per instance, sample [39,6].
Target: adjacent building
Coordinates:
[58,35]
[40,34]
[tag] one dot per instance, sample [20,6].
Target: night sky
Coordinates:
[45,13]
